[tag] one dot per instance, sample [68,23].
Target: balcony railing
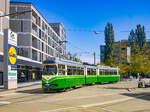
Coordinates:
[33,19]
[34,32]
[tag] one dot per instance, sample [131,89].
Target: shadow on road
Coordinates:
[39,91]
[143,95]
[121,88]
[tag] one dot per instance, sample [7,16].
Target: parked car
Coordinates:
[144,82]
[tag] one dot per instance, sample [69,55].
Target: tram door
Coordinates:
[1,78]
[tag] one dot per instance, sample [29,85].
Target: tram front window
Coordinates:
[49,70]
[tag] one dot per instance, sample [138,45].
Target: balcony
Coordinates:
[34,55]
[34,43]
[34,32]
[34,20]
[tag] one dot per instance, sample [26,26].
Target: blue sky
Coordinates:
[84,16]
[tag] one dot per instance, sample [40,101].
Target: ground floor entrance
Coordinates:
[28,73]
[27,70]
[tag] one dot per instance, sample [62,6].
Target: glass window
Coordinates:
[116,43]
[116,48]
[50,70]
[116,53]
[61,69]
[123,48]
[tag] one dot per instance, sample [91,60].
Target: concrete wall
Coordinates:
[4,6]
[4,21]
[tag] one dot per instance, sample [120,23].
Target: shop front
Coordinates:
[28,71]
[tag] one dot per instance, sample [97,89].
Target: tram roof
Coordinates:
[55,60]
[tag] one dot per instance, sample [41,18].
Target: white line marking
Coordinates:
[107,110]
[81,97]
[109,102]
[4,102]
[11,94]
[58,109]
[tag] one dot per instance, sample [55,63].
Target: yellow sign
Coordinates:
[33,75]
[12,55]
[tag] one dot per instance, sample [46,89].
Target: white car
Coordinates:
[145,82]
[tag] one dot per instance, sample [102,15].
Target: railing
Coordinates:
[33,19]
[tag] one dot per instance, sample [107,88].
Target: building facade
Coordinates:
[121,52]
[4,24]
[60,30]
[37,40]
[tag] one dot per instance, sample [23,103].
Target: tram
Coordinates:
[61,74]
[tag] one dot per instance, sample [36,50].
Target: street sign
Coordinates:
[10,59]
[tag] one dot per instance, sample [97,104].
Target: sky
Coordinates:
[82,17]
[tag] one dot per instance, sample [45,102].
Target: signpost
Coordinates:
[10,59]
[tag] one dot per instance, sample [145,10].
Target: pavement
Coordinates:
[117,97]
[23,84]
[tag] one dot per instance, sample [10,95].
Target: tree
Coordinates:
[132,40]
[124,69]
[140,36]
[109,39]
[72,57]
[140,64]
[137,38]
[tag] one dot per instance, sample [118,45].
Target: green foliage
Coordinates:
[137,38]
[140,63]
[69,56]
[110,62]
[109,39]
[124,69]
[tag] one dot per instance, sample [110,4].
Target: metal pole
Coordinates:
[94,58]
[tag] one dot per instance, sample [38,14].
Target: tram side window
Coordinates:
[93,71]
[115,73]
[101,72]
[78,71]
[88,71]
[74,70]
[69,70]
[82,71]
[61,69]
[106,72]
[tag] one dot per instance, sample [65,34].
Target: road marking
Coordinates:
[109,102]
[59,109]
[4,102]
[107,110]
[10,94]
[76,98]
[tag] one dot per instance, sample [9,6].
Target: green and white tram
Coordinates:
[60,74]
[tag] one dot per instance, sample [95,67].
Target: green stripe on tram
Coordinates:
[76,80]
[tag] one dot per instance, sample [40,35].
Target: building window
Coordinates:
[116,53]
[40,34]
[21,26]
[116,43]
[116,58]
[122,58]
[116,48]
[123,48]
[42,46]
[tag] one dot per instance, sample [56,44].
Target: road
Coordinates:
[117,97]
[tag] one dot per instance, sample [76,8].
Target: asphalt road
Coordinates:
[117,97]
